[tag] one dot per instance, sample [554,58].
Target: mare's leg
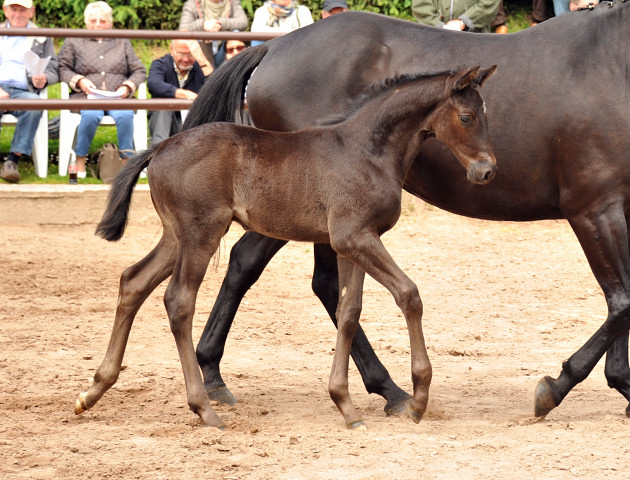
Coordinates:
[373,373]
[366,250]
[249,257]
[136,284]
[617,370]
[196,248]
[602,232]
[348,314]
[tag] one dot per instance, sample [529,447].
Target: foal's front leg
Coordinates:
[366,250]
[348,313]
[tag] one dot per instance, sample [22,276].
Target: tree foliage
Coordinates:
[164,15]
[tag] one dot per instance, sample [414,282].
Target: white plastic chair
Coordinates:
[40,142]
[69,122]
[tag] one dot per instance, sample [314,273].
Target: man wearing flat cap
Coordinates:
[17,81]
[330,7]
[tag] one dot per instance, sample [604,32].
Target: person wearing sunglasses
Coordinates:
[234,47]
[175,75]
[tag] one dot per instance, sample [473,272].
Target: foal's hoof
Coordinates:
[222,395]
[357,425]
[544,401]
[80,406]
[415,416]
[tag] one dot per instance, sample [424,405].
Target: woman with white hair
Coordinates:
[89,64]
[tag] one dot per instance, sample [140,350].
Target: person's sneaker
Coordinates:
[10,172]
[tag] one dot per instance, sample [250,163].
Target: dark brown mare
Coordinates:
[559,124]
[292,186]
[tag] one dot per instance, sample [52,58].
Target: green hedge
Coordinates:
[164,15]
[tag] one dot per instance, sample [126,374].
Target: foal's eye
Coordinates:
[465,119]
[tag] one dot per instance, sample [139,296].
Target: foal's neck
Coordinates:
[393,126]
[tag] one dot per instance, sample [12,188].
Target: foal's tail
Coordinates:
[223,92]
[114,221]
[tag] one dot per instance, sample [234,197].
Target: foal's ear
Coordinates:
[475,76]
[465,78]
[484,74]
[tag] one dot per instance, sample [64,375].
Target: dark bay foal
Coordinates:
[293,186]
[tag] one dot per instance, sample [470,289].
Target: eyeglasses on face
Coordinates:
[183,54]
[238,49]
[98,21]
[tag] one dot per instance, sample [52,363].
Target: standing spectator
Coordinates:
[175,75]
[539,11]
[211,16]
[463,15]
[90,64]
[280,16]
[16,81]
[331,7]
[498,23]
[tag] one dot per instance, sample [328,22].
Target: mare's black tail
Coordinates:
[223,92]
[114,221]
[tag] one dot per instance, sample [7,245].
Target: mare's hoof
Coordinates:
[397,408]
[544,401]
[80,406]
[222,395]
[357,425]
[628,411]
[415,416]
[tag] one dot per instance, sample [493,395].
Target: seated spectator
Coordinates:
[461,15]
[211,16]
[330,7]
[582,4]
[16,81]
[110,64]
[175,75]
[280,16]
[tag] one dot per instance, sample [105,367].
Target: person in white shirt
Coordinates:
[280,16]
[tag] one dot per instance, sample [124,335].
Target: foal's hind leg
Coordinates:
[196,247]
[136,284]
[348,313]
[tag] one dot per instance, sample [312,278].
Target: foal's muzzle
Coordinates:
[481,172]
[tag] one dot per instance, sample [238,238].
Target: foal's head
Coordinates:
[460,122]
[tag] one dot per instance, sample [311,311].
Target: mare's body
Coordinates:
[560,127]
[291,186]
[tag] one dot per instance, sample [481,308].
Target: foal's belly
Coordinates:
[285,222]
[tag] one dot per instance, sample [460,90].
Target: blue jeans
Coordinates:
[90,120]
[28,121]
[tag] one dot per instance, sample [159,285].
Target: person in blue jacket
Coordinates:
[175,75]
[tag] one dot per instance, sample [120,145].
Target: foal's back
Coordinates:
[285,185]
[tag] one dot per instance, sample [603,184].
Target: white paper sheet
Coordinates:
[34,64]
[101,94]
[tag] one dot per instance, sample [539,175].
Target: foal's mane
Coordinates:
[378,88]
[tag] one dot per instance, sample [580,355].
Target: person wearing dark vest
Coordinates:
[175,75]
